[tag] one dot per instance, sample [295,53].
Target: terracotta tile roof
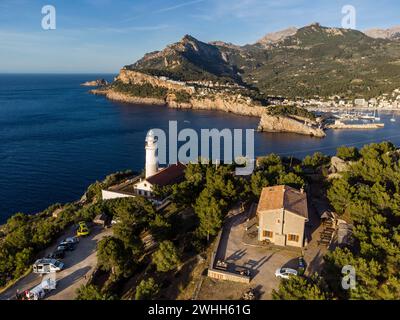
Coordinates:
[286,197]
[170,175]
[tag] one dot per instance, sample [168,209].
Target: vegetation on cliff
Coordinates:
[140,90]
[24,236]
[182,97]
[368,195]
[189,60]
[290,111]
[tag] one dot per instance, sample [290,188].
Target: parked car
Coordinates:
[62,248]
[301,266]
[66,246]
[82,230]
[40,291]
[59,253]
[43,266]
[285,273]
[71,240]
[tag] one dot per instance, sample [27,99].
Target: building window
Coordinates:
[268,234]
[293,237]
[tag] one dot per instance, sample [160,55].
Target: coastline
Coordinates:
[120,97]
[205,98]
[268,123]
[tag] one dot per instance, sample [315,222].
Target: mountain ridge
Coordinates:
[392,33]
[306,62]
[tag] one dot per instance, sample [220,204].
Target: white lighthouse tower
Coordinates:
[151,155]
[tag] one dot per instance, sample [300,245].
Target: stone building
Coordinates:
[282,214]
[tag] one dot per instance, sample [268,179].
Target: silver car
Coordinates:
[285,273]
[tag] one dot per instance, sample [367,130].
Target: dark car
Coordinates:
[301,265]
[67,246]
[57,254]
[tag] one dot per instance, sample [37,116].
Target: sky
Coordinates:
[101,36]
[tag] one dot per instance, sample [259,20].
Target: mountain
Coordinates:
[189,60]
[275,37]
[306,62]
[391,33]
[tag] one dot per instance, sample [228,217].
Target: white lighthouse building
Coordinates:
[154,176]
[151,167]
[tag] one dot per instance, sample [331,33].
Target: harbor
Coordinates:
[354,126]
[353,120]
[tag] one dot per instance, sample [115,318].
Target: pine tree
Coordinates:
[166,258]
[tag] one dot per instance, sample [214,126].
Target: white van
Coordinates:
[43,266]
[39,292]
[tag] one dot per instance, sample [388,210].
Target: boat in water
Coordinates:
[376,116]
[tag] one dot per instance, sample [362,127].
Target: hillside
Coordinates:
[390,33]
[275,37]
[306,62]
[188,60]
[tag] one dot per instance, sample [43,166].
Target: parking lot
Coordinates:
[261,261]
[79,265]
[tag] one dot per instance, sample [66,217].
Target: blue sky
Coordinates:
[103,35]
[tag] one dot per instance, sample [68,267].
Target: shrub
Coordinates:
[347,153]
[146,290]
[166,258]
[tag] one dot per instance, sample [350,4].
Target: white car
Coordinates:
[285,273]
[43,266]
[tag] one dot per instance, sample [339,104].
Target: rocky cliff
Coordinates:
[135,77]
[275,37]
[218,100]
[270,123]
[125,98]
[95,83]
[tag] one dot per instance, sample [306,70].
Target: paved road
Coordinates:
[79,265]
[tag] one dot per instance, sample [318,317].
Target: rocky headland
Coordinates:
[95,83]
[269,123]
[181,95]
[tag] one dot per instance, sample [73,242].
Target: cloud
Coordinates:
[166,9]
[178,6]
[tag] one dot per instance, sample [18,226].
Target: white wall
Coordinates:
[144,185]
[107,195]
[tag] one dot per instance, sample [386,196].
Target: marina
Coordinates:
[357,120]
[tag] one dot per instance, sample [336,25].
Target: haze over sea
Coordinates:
[56,138]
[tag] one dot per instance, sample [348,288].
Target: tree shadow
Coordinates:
[237,255]
[316,263]
[176,282]
[69,280]
[292,264]
[255,265]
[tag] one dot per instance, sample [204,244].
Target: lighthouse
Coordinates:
[151,155]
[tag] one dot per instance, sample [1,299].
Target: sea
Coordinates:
[56,138]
